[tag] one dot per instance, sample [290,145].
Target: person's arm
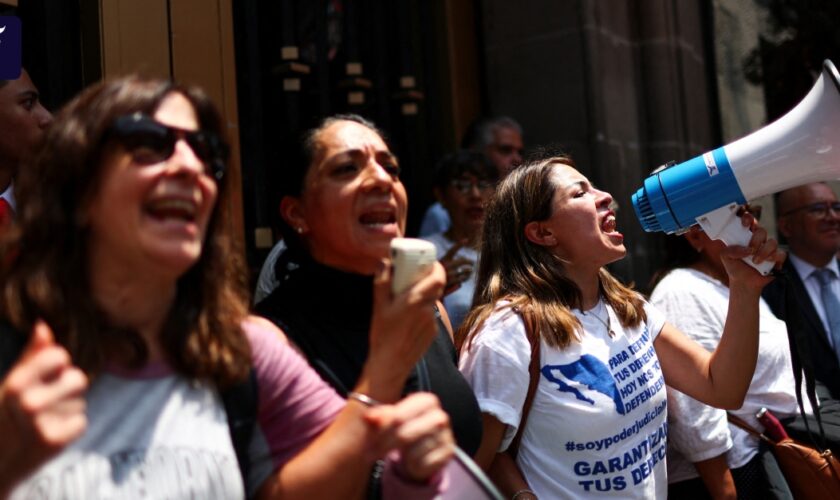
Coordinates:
[500,382]
[700,434]
[717,477]
[721,378]
[337,463]
[42,408]
[491,438]
[697,433]
[500,466]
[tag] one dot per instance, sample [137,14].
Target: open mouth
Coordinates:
[610,227]
[178,209]
[378,219]
[608,224]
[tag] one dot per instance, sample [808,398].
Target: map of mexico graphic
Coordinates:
[625,379]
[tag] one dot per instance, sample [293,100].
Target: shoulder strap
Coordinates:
[443,319]
[738,422]
[800,356]
[532,332]
[240,402]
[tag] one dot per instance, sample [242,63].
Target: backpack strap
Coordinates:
[532,332]
[240,402]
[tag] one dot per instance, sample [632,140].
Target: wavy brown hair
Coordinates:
[529,276]
[46,271]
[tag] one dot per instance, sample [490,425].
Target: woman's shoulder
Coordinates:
[272,354]
[684,281]
[503,314]
[260,331]
[502,328]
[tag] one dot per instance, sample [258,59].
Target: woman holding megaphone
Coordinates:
[569,365]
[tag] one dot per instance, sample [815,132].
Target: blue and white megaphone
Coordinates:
[802,146]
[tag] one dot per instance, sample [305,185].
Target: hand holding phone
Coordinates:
[411,259]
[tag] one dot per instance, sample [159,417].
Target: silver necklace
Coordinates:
[596,314]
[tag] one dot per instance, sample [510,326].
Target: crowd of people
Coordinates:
[133,363]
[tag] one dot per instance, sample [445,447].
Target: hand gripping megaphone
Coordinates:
[802,146]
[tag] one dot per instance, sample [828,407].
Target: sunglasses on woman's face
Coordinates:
[149,141]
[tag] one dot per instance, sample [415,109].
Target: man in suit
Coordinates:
[808,217]
[23,121]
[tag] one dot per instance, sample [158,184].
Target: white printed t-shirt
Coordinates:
[598,422]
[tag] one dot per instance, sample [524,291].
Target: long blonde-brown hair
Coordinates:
[532,279]
[45,258]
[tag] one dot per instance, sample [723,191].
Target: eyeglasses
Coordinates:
[464,186]
[817,210]
[149,141]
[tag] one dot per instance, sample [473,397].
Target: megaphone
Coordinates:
[802,146]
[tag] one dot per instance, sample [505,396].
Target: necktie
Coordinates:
[831,304]
[6,213]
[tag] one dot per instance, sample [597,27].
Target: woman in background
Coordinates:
[464,183]
[707,457]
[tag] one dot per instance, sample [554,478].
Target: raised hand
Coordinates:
[42,407]
[402,327]
[458,269]
[761,248]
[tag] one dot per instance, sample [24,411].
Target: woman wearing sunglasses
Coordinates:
[343,203]
[464,182]
[596,424]
[122,269]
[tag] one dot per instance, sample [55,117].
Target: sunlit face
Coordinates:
[582,222]
[812,235]
[22,121]
[353,202]
[505,152]
[154,217]
[465,199]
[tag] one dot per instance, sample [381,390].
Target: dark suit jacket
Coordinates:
[826,366]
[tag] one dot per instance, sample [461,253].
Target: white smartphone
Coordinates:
[411,259]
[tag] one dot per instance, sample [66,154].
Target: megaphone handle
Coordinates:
[725,225]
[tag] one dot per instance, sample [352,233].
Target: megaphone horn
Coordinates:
[800,147]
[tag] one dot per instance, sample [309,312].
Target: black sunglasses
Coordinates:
[149,141]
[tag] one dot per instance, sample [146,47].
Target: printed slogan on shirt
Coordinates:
[632,377]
